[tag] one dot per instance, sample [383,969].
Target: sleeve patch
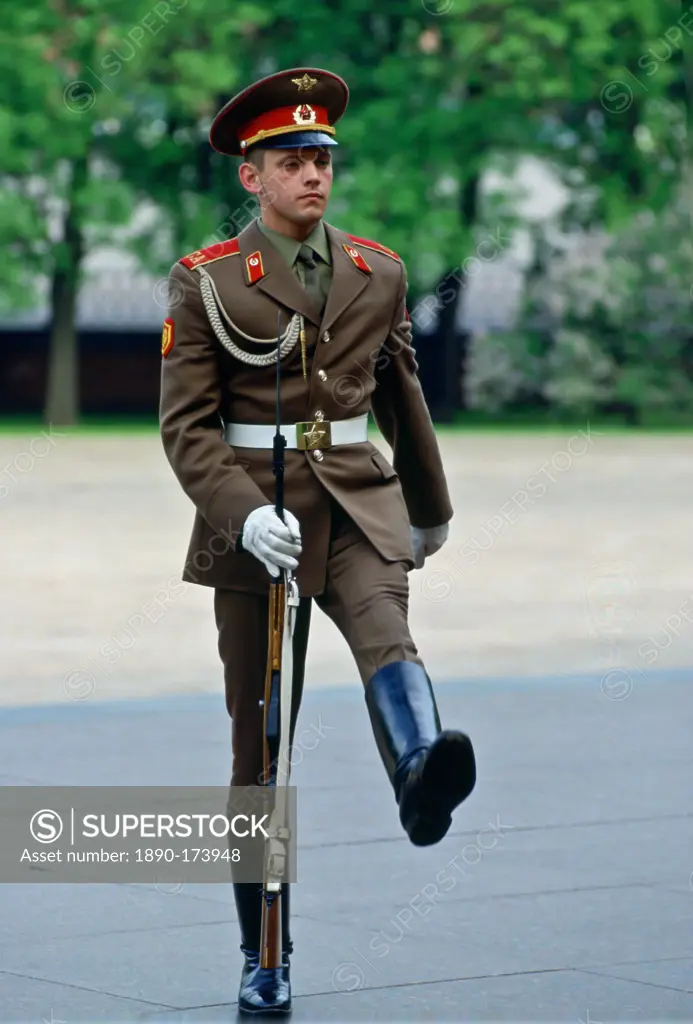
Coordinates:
[167,337]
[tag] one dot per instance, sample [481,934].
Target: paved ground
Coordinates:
[569,552]
[560,621]
[563,892]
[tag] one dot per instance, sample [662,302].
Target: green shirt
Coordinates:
[289,248]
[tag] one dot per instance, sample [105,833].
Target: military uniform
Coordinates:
[356,509]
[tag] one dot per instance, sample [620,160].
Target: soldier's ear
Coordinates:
[249,177]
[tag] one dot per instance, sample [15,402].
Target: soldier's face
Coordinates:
[295,183]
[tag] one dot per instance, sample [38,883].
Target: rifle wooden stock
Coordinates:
[271,924]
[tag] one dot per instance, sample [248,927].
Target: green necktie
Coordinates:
[310,276]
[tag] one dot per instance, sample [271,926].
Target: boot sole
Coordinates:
[448,777]
[269,1012]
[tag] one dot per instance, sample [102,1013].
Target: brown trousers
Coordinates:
[366,597]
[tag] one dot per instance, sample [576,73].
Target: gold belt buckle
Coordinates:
[312,434]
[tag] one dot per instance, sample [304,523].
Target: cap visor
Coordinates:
[292,140]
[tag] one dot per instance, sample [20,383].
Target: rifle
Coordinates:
[277,703]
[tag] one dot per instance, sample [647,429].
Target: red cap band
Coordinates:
[281,120]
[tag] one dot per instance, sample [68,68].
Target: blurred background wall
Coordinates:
[530,164]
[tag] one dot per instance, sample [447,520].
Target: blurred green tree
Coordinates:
[91,128]
[610,334]
[105,104]
[57,197]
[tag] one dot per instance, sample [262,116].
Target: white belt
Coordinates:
[306,436]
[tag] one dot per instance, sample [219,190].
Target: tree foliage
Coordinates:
[608,333]
[105,107]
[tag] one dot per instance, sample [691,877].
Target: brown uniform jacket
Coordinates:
[360,359]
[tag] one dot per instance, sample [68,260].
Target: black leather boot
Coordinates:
[263,990]
[431,770]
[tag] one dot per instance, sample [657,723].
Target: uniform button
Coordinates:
[317,455]
[322,375]
[326,336]
[319,415]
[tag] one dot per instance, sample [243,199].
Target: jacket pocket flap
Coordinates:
[383,465]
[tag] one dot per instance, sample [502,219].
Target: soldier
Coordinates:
[355,525]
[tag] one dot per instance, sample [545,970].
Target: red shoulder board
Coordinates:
[213,252]
[367,244]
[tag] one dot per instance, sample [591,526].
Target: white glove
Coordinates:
[427,542]
[269,539]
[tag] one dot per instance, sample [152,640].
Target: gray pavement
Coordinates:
[569,551]
[562,893]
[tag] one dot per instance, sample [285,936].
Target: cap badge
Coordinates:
[304,114]
[306,83]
